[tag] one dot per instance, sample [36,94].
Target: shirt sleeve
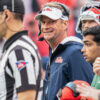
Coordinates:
[25,68]
[79,68]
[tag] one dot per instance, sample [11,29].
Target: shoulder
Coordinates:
[73,47]
[24,42]
[72,44]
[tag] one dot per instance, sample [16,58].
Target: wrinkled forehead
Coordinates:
[44,18]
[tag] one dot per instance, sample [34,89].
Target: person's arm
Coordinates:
[27,95]
[96,66]
[26,73]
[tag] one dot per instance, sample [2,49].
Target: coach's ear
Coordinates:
[66,24]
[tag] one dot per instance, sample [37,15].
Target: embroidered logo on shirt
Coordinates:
[59,60]
[21,64]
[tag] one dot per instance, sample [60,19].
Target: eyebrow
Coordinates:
[86,41]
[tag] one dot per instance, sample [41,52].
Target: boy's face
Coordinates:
[90,50]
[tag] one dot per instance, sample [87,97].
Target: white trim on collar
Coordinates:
[71,38]
[68,39]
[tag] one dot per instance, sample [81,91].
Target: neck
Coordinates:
[54,43]
[13,29]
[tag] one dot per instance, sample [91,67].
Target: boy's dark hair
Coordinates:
[95,31]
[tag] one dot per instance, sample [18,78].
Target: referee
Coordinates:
[20,69]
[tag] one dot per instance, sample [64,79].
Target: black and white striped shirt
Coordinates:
[20,67]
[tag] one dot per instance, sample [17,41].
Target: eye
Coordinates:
[42,22]
[51,22]
[83,22]
[88,44]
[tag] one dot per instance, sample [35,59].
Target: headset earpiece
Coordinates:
[66,11]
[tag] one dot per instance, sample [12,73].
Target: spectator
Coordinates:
[20,67]
[89,16]
[91,51]
[66,60]
[91,40]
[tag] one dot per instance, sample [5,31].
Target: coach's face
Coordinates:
[2,24]
[88,24]
[53,29]
[90,50]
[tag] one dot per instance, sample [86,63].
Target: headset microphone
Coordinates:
[41,39]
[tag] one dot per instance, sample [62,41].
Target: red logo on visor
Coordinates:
[47,9]
[59,60]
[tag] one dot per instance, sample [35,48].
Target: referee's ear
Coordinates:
[8,14]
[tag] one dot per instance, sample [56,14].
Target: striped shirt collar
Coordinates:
[13,38]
